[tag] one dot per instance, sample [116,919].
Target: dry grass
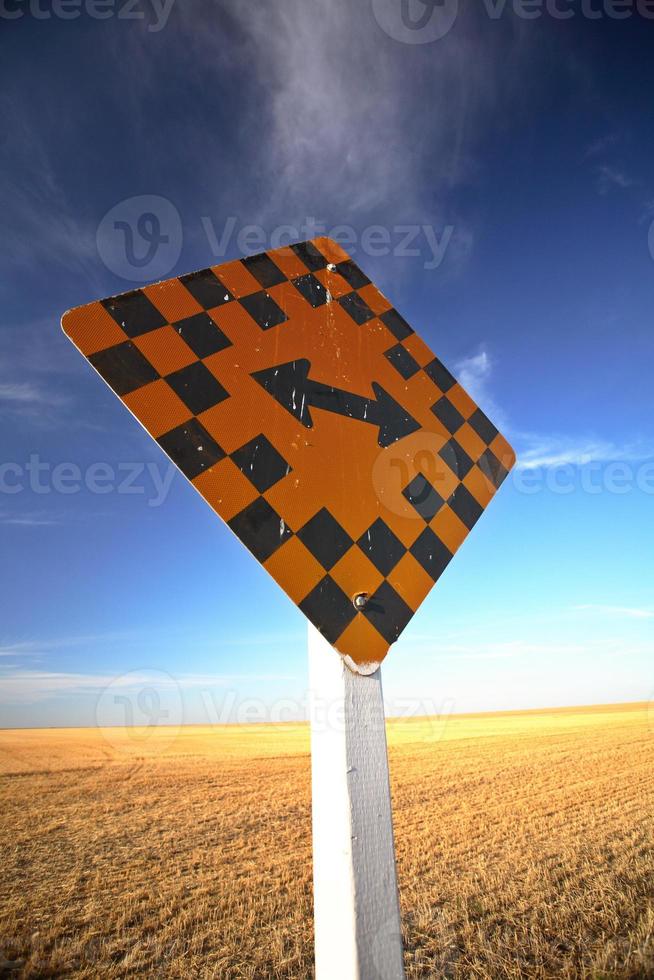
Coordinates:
[525,849]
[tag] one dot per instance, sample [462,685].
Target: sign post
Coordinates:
[356,908]
[345,456]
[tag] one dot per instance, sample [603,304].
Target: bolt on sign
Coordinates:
[316,423]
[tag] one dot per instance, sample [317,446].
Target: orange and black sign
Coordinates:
[314,421]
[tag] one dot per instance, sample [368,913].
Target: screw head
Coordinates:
[360,600]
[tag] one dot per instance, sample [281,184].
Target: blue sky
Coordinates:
[524,147]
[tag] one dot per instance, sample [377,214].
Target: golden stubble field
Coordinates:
[525,847]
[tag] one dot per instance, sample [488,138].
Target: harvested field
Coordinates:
[525,847]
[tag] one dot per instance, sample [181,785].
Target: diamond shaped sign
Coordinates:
[316,423]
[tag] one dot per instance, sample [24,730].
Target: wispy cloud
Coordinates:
[599,145]
[136,638]
[29,399]
[36,519]
[539,449]
[37,216]
[471,643]
[35,647]
[23,686]
[609,178]
[361,149]
[20,392]
[475,372]
[625,612]
[512,649]
[336,122]
[34,375]
[36,369]
[47,518]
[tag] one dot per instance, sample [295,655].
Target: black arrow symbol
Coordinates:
[291,386]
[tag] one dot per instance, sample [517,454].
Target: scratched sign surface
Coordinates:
[315,422]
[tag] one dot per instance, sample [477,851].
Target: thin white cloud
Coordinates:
[540,450]
[474,373]
[27,395]
[37,647]
[20,392]
[600,145]
[33,350]
[512,649]
[43,518]
[37,402]
[626,612]
[37,217]
[610,178]
[21,686]
[337,120]
[29,520]
[537,449]
[337,110]
[475,649]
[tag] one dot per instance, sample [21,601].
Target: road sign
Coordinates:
[314,420]
[347,458]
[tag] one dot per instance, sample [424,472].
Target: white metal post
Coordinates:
[356,907]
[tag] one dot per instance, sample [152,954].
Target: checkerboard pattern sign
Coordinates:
[316,423]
